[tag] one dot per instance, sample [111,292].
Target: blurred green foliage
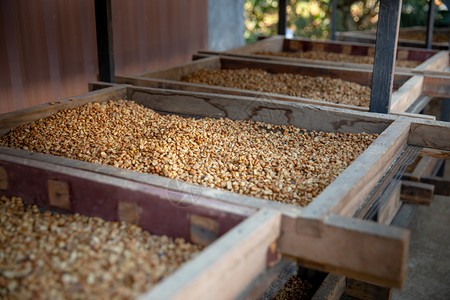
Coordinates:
[312,18]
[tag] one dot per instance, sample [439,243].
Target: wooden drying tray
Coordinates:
[369,36]
[322,236]
[282,44]
[234,234]
[170,78]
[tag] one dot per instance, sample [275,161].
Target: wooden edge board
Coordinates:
[11,120]
[437,62]
[76,191]
[177,72]
[389,209]
[430,134]
[441,184]
[435,153]
[226,267]
[437,86]
[348,246]
[417,192]
[208,89]
[427,166]
[344,195]
[407,94]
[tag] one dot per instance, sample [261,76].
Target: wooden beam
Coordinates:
[405,96]
[430,25]
[385,53]
[417,192]
[347,246]
[282,17]
[430,134]
[105,48]
[225,259]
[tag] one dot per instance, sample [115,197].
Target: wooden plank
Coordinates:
[435,153]
[437,86]
[417,192]
[388,210]
[347,246]
[236,260]
[385,54]
[78,191]
[105,53]
[438,62]
[366,291]
[430,134]
[332,288]
[441,184]
[405,96]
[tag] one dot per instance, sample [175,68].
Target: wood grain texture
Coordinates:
[439,62]
[349,247]
[405,96]
[227,266]
[417,192]
[331,288]
[430,134]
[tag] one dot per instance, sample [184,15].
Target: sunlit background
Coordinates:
[312,18]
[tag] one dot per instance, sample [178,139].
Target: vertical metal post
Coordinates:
[103,25]
[430,25]
[385,54]
[282,17]
[333,19]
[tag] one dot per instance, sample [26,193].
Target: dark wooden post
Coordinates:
[430,24]
[282,17]
[385,54]
[103,24]
[333,19]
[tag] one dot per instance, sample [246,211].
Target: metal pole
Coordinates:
[282,17]
[333,19]
[103,25]
[430,25]
[385,53]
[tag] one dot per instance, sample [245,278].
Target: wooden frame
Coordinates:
[438,65]
[281,43]
[322,236]
[368,36]
[170,79]
[243,235]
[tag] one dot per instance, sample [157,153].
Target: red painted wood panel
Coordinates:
[48,47]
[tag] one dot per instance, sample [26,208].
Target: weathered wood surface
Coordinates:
[435,65]
[347,246]
[368,36]
[171,78]
[71,190]
[228,266]
[430,134]
[417,192]
[280,43]
[405,96]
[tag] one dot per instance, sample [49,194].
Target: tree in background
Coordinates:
[312,18]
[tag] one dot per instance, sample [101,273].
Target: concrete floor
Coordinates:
[429,255]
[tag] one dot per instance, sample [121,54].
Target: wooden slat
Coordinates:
[437,86]
[349,247]
[417,192]
[234,262]
[430,134]
[405,96]
[388,210]
[438,62]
